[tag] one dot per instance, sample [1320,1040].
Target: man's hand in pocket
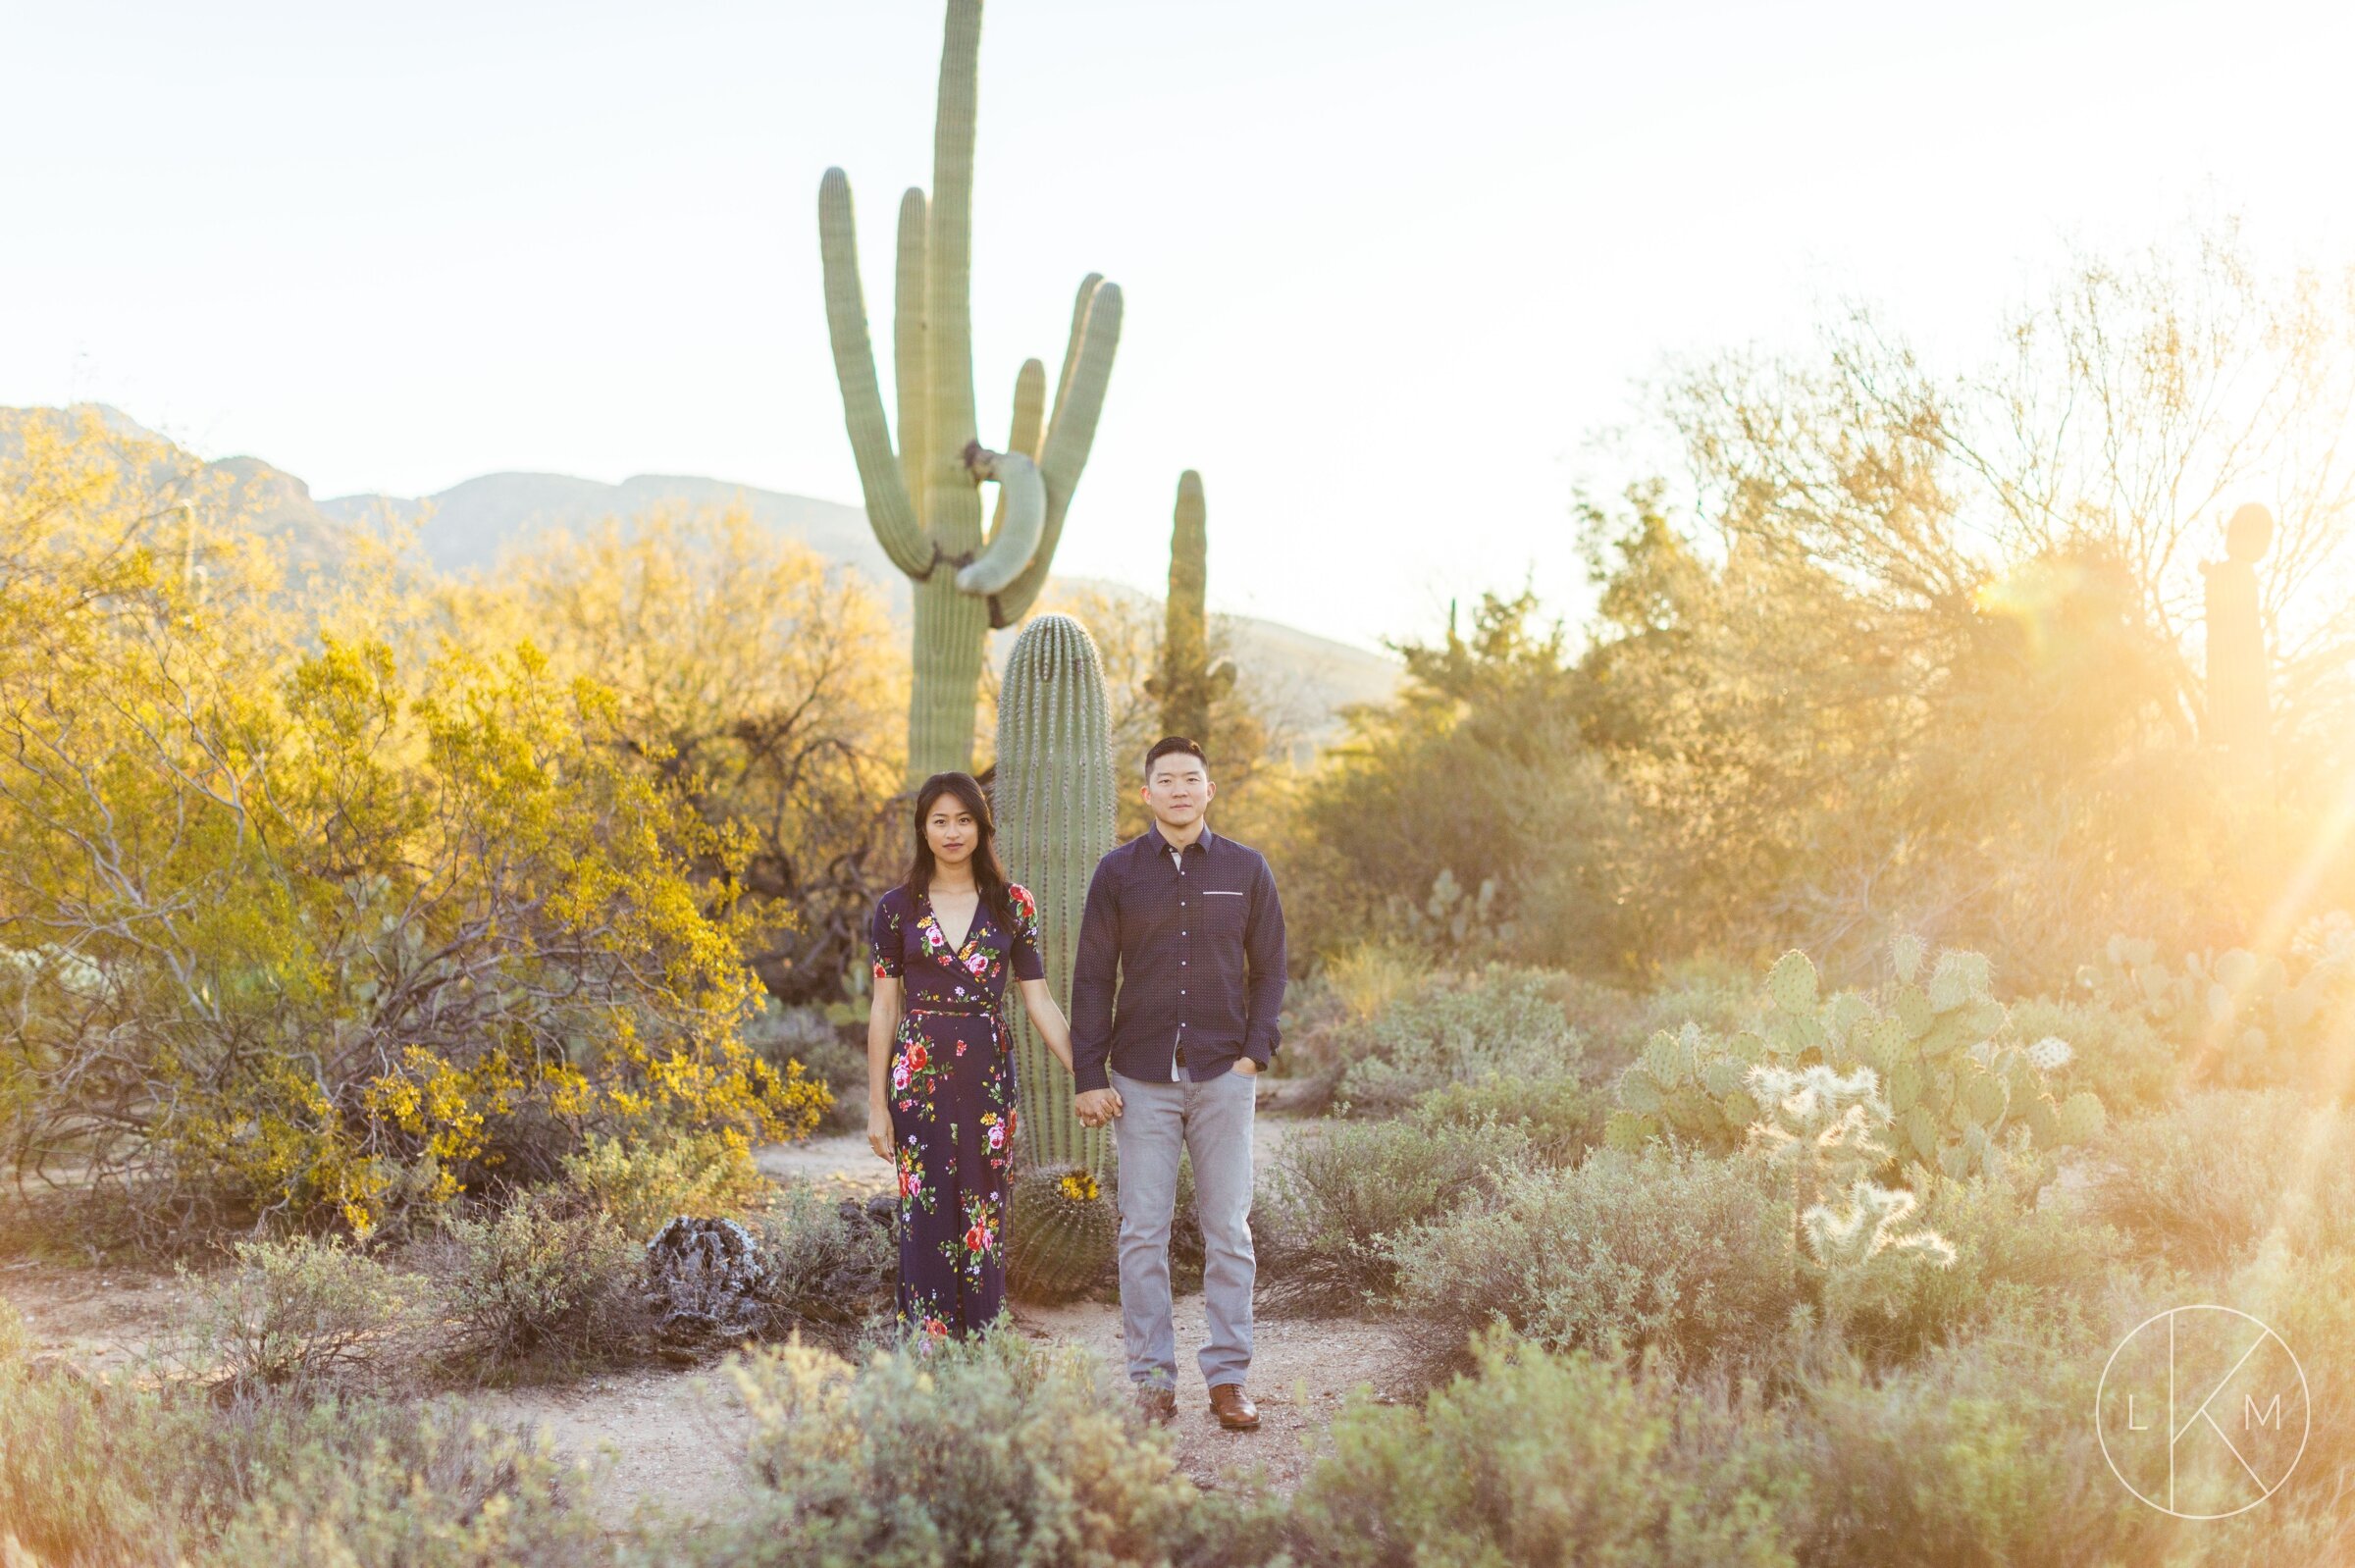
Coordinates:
[1244,1065]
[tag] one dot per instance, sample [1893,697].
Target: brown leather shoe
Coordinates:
[1234,1408]
[1158,1402]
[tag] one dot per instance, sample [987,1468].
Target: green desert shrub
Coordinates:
[1339,1193]
[831,1268]
[2202,1183]
[305,1314]
[538,1285]
[1546,1458]
[1556,1111]
[996,1452]
[1983,1455]
[642,1185]
[1685,1252]
[103,1474]
[16,1339]
[1500,1021]
[2013,1259]
[783,1035]
[2116,1054]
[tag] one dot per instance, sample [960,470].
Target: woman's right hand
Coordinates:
[878,1130]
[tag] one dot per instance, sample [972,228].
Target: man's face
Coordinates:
[1178,789]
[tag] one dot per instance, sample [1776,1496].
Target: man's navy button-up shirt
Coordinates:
[1193,943]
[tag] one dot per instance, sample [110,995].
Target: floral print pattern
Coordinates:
[952,1108]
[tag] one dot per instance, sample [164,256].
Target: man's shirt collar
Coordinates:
[1161,844]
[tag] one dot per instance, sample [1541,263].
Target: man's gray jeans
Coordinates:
[1212,1121]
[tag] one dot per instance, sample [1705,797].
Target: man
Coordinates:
[1185,926]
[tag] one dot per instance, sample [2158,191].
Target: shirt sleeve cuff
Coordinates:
[1087,1076]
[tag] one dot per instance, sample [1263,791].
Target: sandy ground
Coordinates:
[671,1436]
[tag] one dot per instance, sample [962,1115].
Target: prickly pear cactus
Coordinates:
[1061,1233]
[1961,1090]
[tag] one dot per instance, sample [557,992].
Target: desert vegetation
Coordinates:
[1754,1057]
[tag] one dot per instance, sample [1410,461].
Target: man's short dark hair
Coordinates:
[1170,743]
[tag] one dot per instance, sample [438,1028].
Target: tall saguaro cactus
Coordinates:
[1187,683]
[1053,808]
[924,498]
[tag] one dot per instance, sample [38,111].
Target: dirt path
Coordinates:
[672,1437]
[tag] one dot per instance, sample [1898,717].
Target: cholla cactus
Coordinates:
[924,500]
[1823,1124]
[1856,1242]
[1871,1225]
[1053,800]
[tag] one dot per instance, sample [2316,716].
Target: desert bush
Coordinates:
[2013,1259]
[1336,1195]
[831,1267]
[16,1339]
[1560,1117]
[1982,1455]
[304,1313]
[1545,1458]
[643,1183]
[1683,1251]
[1455,1029]
[997,1451]
[2204,1181]
[2115,1053]
[537,1286]
[104,1474]
[828,1055]
[368,923]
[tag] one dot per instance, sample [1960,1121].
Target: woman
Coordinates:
[940,1063]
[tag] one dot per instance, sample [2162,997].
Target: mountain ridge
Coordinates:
[466,527]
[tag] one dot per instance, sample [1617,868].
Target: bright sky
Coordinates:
[1388,265]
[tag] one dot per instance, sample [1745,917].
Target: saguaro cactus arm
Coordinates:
[1070,434]
[1021,513]
[910,362]
[887,502]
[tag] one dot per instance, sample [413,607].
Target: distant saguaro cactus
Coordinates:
[2239,718]
[1054,805]
[1187,683]
[924,500]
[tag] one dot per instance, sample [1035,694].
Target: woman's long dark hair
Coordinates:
[989,872]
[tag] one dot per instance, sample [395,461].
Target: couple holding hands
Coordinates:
[1175,993]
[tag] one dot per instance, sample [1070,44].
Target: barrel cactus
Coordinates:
[1187,683]
[924,498]
[1061,1233]
[1054,805]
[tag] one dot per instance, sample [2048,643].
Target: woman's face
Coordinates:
[951,830]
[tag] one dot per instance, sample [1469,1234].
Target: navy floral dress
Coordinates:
[953,1103]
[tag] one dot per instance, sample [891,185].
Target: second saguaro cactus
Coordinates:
[1187,683]
[924,498]
[1054,806]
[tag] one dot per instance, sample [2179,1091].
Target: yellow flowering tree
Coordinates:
[291,928]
